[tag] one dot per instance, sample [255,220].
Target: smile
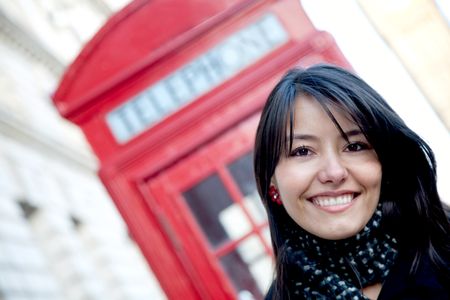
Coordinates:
[332,201]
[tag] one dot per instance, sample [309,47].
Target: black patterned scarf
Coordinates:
[326,269]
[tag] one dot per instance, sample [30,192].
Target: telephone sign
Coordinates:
[197,77]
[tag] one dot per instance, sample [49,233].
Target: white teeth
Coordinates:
[331,201]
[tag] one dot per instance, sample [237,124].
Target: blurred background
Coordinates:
[61,235]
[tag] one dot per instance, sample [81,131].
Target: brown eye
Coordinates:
[358,146]
[301,151]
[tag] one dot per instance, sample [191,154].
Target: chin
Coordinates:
[340,233]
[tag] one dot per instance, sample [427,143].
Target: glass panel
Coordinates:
[240,276]
[207,200]
[262,271]
[255,208]
[234,221]
[266,236]
[242,171]
[249,268]
[260,264]
[251,249]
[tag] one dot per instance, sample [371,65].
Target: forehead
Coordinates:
[308,112]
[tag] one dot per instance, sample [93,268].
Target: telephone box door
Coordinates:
[211,198]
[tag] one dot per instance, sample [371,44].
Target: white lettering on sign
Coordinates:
[196,78]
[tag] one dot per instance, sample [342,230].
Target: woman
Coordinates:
[350,193]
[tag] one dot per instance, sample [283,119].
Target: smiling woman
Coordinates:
[329,182]
[348,189]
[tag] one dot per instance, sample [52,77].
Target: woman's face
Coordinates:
[328,185]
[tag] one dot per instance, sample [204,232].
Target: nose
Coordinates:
[332,169]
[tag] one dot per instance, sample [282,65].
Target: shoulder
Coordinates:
[426,283]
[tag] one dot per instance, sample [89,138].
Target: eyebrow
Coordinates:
[353,132]
[304,137]
[349,133]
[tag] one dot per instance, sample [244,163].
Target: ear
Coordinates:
[273,181]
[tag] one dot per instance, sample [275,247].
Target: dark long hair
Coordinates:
[410,201]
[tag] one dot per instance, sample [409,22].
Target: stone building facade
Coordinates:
[60,235]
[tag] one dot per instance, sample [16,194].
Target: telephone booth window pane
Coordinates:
[266,236]
[207,200]
[234,221]
[249,268]
[259,262]
[242,171]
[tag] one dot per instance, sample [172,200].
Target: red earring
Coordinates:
[274,195]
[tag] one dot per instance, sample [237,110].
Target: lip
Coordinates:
[337,208]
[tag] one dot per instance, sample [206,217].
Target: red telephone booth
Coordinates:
[168,94]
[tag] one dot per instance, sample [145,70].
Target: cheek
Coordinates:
[368,176]
[292,182]
[372,175]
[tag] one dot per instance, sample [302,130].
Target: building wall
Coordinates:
[60,235]
[419,34]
